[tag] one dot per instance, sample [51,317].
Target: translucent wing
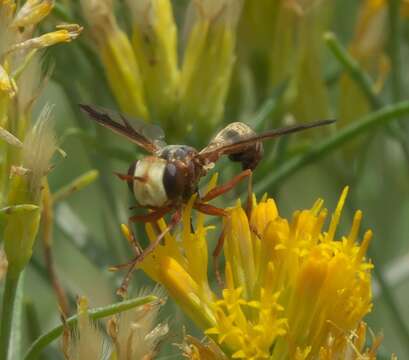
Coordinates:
[147,136]
[236,138]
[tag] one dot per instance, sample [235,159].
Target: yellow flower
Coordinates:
[293,290]
[208,61]
[32,12]
[154,40]
[19,45]
[118,58]
[66,33]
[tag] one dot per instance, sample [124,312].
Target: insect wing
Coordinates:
[225,144]
[149,137]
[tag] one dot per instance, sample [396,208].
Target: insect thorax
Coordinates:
[178,152]
[182,172]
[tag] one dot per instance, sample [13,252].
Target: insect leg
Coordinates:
[219,190]
[134,241]
[176,217]
[249,206]
[152,216]
[126,177]
[212,210]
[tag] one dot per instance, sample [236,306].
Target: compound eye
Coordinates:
[174,180]
[131,172]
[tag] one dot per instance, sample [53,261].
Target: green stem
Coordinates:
[365,82]
[77,184]
[386,290]
[387,296]
[381,117]
[31,321]
[16,335]
[353,68]
[394,47]
[9,299]
[94,314]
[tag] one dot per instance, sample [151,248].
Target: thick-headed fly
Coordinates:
[166,179]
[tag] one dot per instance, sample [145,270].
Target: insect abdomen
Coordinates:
[148,188]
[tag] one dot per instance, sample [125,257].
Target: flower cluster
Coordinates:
[143,70]
[26,149]
[292,290]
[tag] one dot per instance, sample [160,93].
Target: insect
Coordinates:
[166,179]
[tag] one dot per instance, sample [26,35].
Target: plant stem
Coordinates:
[365,82]
[16,334]
[387,295]
[394,47]
[32,321]
[7,313]
[381,117]
[353,68]
[386,289]
[94,314]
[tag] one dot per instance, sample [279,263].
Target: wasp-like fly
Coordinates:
[169,176]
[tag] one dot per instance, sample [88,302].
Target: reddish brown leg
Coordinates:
[134,242]
[219,190]
[138,206]
[146,218]
[176,217]
[249,206]
[210,209]
[126,177]
[152,216]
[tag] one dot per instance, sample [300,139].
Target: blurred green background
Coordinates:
[301,80]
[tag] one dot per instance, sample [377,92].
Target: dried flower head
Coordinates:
[86,341]
[135,333]
[25,188]
[196,350]
[38,148]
